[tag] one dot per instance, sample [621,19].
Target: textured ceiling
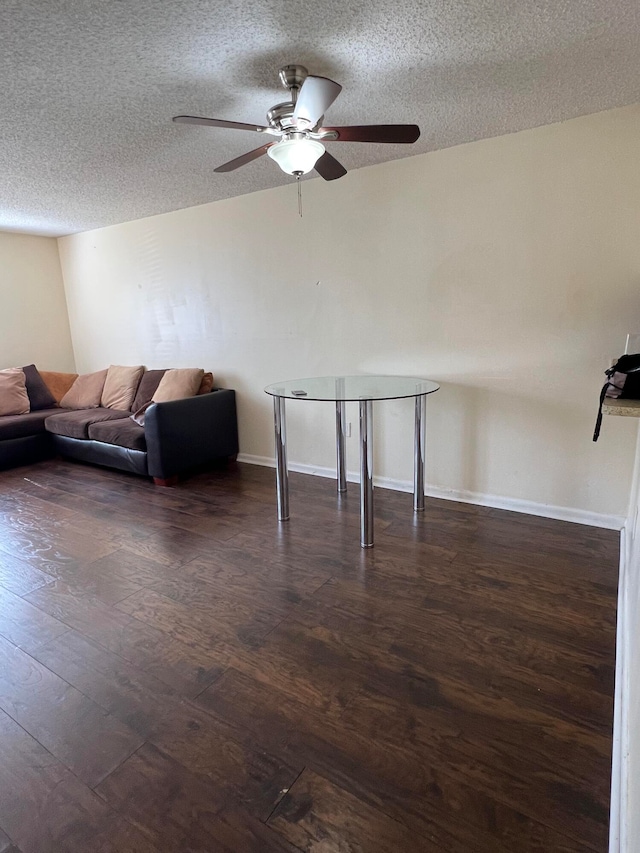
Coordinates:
[88,88]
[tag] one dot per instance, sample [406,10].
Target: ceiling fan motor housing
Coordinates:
[280,117]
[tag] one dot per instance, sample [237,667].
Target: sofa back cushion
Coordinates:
[147,388]
[58,383]
[178,383]
[86,391]
[40,397]
[14,399]
[120,387]
[207,384]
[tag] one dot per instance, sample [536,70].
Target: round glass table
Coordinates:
[365,390]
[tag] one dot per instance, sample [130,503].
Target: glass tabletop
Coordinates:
[363,387]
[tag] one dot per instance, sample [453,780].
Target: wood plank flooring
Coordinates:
[180,673]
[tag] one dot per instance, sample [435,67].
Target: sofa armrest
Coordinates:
[183,434]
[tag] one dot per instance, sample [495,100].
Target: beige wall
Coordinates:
[506,269]
[34,327]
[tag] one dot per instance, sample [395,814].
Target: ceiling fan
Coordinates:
[297,125]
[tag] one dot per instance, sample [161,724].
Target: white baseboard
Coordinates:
[561,513]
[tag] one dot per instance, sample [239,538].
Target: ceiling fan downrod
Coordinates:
[292,77]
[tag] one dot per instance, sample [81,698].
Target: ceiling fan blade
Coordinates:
[218,122]
[329,168]
[244,158]
[375,133]
[314,99]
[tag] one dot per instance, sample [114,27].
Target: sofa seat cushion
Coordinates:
[21,426]
[123,432]
[76,424]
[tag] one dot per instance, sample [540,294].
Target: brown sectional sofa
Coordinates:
[177,436]
[23,438]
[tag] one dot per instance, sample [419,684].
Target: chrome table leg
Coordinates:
[419,454]
[340,449]
[282,476]
[366,473]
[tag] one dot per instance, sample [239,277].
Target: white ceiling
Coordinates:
[88,88]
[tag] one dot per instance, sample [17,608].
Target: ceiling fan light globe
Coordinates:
[296,155]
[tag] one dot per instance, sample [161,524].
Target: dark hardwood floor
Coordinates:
[178,673]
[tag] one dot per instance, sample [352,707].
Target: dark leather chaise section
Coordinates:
[23,438]
[20,426]
[26,450]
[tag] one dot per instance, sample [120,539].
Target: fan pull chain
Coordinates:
[299,196]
